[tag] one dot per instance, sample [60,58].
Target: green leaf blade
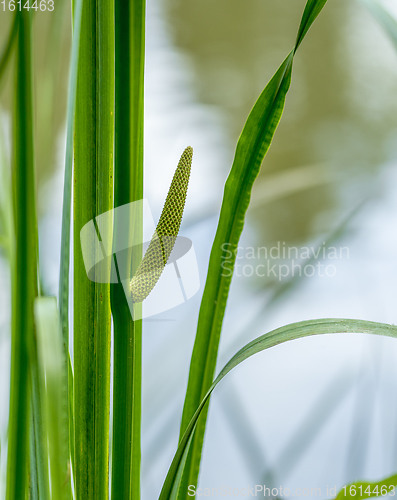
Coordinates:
[93,195]
[250,151]
[128,187]
[24,267]
[63,292]
[312,10]
[294,331]
[252,147]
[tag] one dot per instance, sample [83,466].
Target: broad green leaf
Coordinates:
[293,331]
[362,490]
[53,370]
[252,146]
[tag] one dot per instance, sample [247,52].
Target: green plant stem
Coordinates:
[24,268]
[93,173]
[39,480]
[129,72]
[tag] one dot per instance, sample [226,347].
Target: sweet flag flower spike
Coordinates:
[163,240]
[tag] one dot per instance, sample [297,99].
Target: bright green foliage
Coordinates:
[162,243]
[172,485]
[251,149]
[93,195]
[66,213]
[24,270]
[129,20]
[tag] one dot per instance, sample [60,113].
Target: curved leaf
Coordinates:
[280,335]
[252,147]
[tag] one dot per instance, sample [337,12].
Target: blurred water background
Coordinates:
[315,412]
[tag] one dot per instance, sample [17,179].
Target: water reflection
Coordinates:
[340,109]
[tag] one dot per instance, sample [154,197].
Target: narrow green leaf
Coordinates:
[93,192]
[53,370]
[104,202]
[63,294]
[252,147]
[312,10]
[363,490]
[67,186]
[293,331]
[39,480]
[128,187]
[137,45]
[24,270]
